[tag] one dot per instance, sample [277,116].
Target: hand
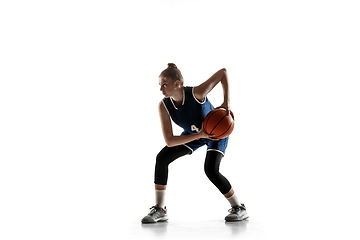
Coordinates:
[203,134]
[226,106]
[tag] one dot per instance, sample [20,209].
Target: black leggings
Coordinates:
[212,163]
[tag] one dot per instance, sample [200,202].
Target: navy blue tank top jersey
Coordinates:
[190,116]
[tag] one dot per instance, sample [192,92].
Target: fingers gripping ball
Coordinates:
[220,124]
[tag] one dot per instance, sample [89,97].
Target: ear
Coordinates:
[177,83]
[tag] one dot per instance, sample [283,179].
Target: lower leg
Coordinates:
[160,187]
[212,165]
[163,159]
[160,191]
[231,197]
[229,194]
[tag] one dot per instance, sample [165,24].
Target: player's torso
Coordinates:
[191,113]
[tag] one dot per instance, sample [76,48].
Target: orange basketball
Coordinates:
[218,123]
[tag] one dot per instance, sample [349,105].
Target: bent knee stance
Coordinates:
[166,156]
[211,167]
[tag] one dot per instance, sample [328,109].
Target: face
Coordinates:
[167,86]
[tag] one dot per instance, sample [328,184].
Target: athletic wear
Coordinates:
[157,214]
[190,116]
[233,200]
[211,167]
[237,213]
[164,158]
[160,197]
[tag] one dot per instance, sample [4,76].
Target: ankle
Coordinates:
[233,200]
[160,198]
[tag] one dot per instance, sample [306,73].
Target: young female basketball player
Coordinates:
[187,107]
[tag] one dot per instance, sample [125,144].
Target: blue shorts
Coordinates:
[212,145]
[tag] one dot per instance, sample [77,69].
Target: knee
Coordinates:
[210,171]
[161,159]
[158,157]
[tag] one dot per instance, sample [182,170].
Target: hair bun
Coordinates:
[173,73]
[171,65]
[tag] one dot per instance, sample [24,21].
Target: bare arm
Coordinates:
[167,131]
[203,89]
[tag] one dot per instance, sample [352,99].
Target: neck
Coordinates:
[178,94]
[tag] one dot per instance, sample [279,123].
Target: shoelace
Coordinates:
[234,209]
[154,209]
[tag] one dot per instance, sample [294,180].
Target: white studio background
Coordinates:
[79,128]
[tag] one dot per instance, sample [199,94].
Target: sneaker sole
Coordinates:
[151,220]
[237,220]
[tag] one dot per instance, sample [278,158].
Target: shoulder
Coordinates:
[163,111]
[197,96]
[189,91]
[162,106]
[161,103]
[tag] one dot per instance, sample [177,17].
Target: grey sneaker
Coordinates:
[237,213]
[157,214]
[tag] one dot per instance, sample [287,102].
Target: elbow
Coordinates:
[224,73]
[169,142]
[169,145]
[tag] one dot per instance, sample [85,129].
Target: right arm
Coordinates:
[167,130]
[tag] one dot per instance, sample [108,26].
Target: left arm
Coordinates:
[203,89]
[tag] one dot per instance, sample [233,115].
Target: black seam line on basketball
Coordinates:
[226,130]
[211,115]
[218,124]
[209,118]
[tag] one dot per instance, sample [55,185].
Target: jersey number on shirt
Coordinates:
[194,128]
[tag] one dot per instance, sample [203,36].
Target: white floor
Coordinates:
[277,223]
[93,199]
[296,205]
[205,229]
